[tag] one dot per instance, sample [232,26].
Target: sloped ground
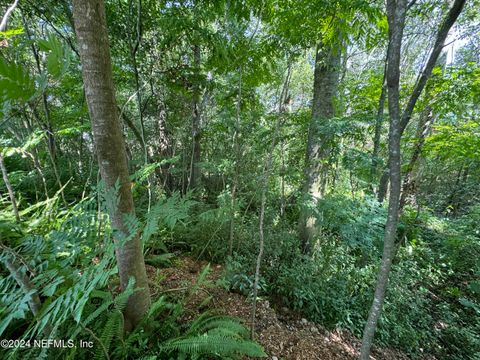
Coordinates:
[282,333]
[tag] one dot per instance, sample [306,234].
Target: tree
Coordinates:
[326,77]
[396,13]
[91,30]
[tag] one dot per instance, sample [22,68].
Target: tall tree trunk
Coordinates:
[396,21]
[47,124]
[236,175]
[378,128]
[264,186]
[396,13]
[11,194]
[283,106]
[91,30]
[326,76]
[195,175]
[165,149]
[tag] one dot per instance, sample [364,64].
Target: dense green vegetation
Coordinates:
[258,134]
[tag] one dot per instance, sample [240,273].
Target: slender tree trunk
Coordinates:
[264,186]
[91,30]
[283,106]
[47,125]
[326,78]
[138,92]
[378,128]
[132,127]
[236,175]
[11,193]
[22,280]
[34,156]
[195,173]
[396,13]
[165,149]
[51,157]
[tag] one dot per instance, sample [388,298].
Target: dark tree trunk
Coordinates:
[326,77]
[91,30]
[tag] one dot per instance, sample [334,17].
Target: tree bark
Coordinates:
[326,77]
[396,13]
[91,30]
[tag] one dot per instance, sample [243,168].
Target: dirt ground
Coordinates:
[282,333]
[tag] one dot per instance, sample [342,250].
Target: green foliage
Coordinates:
[15,82]
[58,56]
[422,313]
[214,336]
[75,274]
[240,66]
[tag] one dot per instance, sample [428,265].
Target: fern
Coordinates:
[214,335]
[168,213]
[220,344]
[208,322]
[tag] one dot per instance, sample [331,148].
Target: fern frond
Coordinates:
[214,345]
[208,321]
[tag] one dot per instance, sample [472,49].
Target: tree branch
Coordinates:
[3,24]
[442,34]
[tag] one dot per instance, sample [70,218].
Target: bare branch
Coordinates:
[3,24]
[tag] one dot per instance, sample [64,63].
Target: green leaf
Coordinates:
[15,82]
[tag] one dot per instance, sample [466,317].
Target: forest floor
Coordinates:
[283,333]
